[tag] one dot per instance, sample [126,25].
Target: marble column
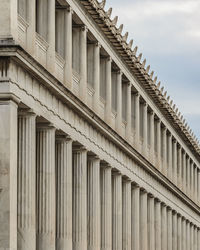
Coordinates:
[195,238]
[83,64]
[51,35]
[164,151]
[174,148]
[152,136]
[68,47]
[143,220]
[158,224]
[63,193]
[188,235]
[191,180]
[169,169]
[79,206]
[184,172]
[117,211]
[145,128]
[97,47]
[126,214]
[26,181]
[158,143]
[106,208]
[174,230]
[128,112]
[119,102]
[191,236]
[93,193]
[108,90]
[46,205]
[179,167]
[169,229]
[179,232]
[188,176]
[163,226]
[8,172]
[31,16]
[151,222]
[137,120]
[184,234]
[195,183]
[135,217]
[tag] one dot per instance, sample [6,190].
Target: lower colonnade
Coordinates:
[70,198]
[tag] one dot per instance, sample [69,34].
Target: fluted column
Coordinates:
[158,143]
[108,90]
[184,234]
[79,226]
[195,183]
[169,228]
[174,161]
[188,235]
[191,236]
[106,208]
[135,221]
[174,230]
[119,102]
[68,47]
[164,148]
[184,172]
[163,226]
[179,167]
[93,190]
[26,181]
[145,128]
[158,224]
[63,193]
[169,169]
[143,220]
[97,47]
[46,205]
[126,215]
[117,211]
[192,180]
[83,64]
[152,136]
[151,222]
[188,175]
[137,119]
[128,113]
[51,35]
[195,238]
[179,232]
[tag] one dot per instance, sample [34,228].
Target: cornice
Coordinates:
[140,70]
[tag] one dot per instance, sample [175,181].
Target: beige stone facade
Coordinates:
[93,154]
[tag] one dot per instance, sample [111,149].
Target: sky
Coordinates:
[167,33]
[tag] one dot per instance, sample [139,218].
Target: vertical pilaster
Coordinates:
[151,222]
[144,128]
[137,119]
[31,14]
[135,220]
[192,180]
[179,167]
[152,136]
[188,175]
[184,172]
[117,211]
[46,205]
[195,183]
[106,208]
[174,230]
[96,77]
[143,220]
[163,226]
[164,148]
[119,102]
[63,193]
[79,221]
[128,112]
[51,35]
[8,169]
[169,229]
[83,64]
[169,169]
[174,148]
[126,215]
[158,143]
[93,192]
[68,47]
[158,224]
[26,182]
[108,90]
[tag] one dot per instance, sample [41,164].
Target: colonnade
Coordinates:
[69,197]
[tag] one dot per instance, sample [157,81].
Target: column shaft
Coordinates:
[184,172]
[119,102]
[79,207]
[63,193]
[169,170]
[184,234]
[143,221]
[169,229]
[106,208]
[96,77]
[164,153]
[179,233]
[135,221]
[174,230]
[152,136]
[31,14]
[158,225]
[128,113]
[163,226]
[174,145]
[137,119]
[151,223]
[46,209]
[158,143]
[179,167]
[8,170]
[126,215]
[117,211]
[145,128]
[26,182]
[93,203]
[188,235]
[108,90]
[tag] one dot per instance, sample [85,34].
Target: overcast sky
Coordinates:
[167,32]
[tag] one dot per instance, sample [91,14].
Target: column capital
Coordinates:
[26,112]
[135,185]
[63,138]
[137,94]
[152,113]
[45,125]
[69,9]
[79,148]
[143,190]
[157,200]
[169,208]
[119,72]
[150,195]
[6,97]
[93,157]
[126,178]
[115,172]
[163,204]
[108,59]
[105,165]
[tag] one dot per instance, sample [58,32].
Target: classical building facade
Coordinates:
[93,153]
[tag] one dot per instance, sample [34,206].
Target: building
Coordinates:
[93,154]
